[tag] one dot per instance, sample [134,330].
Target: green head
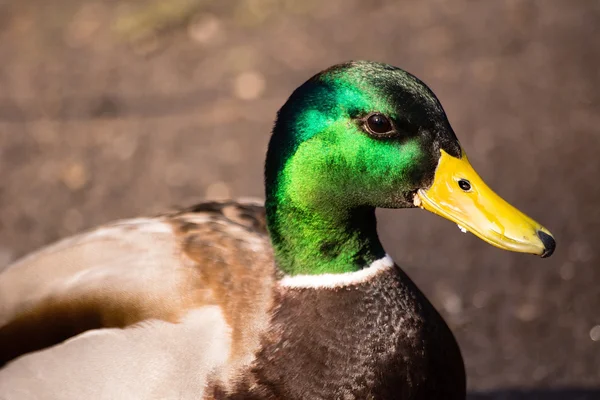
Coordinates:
[352,138]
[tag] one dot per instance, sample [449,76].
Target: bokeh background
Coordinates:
[112,109]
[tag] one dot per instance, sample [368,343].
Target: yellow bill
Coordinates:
[460,195]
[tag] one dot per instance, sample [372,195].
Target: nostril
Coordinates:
[548,242]
[464,185]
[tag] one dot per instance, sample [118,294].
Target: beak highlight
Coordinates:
[460,195]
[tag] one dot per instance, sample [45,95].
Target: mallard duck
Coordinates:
[293,300]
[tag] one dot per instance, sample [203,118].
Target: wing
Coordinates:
[134,272]
[151,360]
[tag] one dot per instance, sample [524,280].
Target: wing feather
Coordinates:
[151,360]
[131,271]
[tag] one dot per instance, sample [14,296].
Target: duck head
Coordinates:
[362,135]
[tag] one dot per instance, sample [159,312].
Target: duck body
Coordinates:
[293,300]
[296,341]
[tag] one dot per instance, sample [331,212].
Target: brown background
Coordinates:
[112,109]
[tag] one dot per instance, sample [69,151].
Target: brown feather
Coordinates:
[223,258]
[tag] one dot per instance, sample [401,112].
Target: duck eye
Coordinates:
[379,124]
[464,185]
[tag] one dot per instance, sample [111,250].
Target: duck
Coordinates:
[293,298]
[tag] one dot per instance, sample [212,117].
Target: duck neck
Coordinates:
[310,239]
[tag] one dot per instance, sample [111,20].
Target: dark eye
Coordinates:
[379,124]
[464,185]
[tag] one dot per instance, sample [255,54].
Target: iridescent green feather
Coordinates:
[325,175]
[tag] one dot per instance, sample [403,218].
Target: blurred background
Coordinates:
[112,109]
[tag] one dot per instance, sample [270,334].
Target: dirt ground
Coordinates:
[112,109]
